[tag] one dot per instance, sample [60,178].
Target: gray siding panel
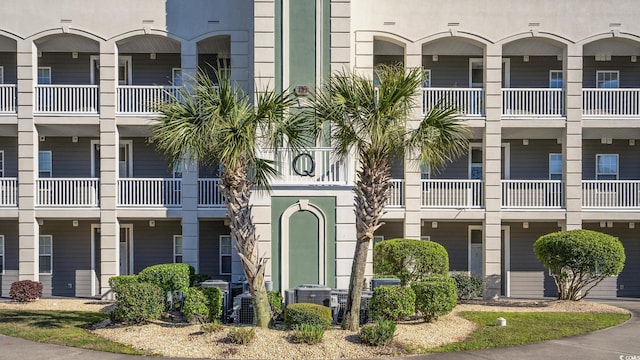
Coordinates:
[8,60]
[9,277]
[629,72]
[457,169]
[209,256]
[158,71]
[153,245]
[10,147]
[526,284]
[454,237]
[147,162]
[69,159]
[531,162]
[46,286]
[628,164]
[9,229]
[448,71]
[605,289]
[83,283]
[534,73]
[65,70]
[391,230]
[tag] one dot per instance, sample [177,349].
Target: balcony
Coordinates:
[610,102]
[468,101]
[7,99]
[67,99]
[67,192]
[533,103]
[611,194]
[446,193]
[313,166]
[209,194]
[532,194]
[141,100]
[396,194]
[8,192]
[147,192]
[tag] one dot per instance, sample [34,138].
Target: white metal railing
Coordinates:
[76,99]
[141,99]
[537,102]
[7,98]
[209,194]
[8,192]
[611,193]
[468,101]
[532,194]
[310,166]
[149,192]
[396,193]
[451,193]
[68,192]
[616,102]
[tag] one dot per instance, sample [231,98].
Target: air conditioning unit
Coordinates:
[226,303]
[244,314]
[314,295]
[289,297]
[384,282]
[365,313]
[220,284]
[341,295]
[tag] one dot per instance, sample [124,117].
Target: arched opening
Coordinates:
[215,53]
[8,75]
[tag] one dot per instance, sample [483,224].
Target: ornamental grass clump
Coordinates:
[378,334]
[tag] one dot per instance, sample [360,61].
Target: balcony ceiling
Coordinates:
[381,47]
[67,43]
[532,133]
[539,47]
[220,45]
[7,45]
[615,133]
[149,44]
[616,47]
[452,46]
[68,131]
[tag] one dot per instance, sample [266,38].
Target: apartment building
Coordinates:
[551,91]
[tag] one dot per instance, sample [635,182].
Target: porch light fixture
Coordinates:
[525,58]
[75,223]
[152,56]
[559,57]
[74,54]
[632,225]
[74,139]
[525,141]
[609,224]
[603,224]
[434,224]
[434,57]
[559,141]
[606,140]
[42,138]
[525,225]
[40,222]
[632,142]
[152,223]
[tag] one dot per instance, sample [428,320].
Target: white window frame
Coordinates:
[50,254]
[551,73]
[425,172]
[426,82]
[1,74]
[475,146]
[2,254]
[221,254]
[48,77]
[50,164]
[1,163]
[175,249]
[176,76]
[617,75]
[551,155]
[598,174]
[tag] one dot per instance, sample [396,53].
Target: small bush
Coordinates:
[195,307]
[378,334]
[211,327]
[116,281]
[410,260]
[309,314]
[275,302]
[468,286]
[169,277]
[392,303]
[241,335]
[199,278]
[436,296]
[214,298]
[138,302]
[309,334]
[25,290]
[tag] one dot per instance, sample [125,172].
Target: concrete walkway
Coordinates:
[621,342]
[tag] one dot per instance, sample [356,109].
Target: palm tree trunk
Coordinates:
[370,198]
[236,189]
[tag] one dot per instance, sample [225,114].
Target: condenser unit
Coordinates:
[365,298]
[314,295]
[384,282]
[220,284]
[289,297]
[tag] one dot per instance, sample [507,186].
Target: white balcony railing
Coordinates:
[209,194]
[7,99]
[142,99]
[611,194]
[8,192]
[396,194]
[150,192]
[446,193]
[68,192]
[468,101]
[311,166]
[532,194]
[533,102]
[64,99]
[611,102]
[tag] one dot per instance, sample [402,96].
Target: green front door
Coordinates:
[304,254]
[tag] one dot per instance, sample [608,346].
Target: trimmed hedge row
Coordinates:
[309,314]
[435,296]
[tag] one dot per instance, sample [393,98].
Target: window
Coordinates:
[46,254]
[425,172]
[1,254]
[555,166]
[178,166]
[426,82]
[475,170]
[44,164]
[607,167]
[555,79]
[607,79]
[1,74]
[176,76]
[225,254]
[177,248]
[44,75]
[1,163]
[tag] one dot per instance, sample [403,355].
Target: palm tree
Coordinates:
[371,122]
[218,124]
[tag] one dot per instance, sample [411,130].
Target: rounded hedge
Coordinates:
[138,302]
[435,296]
[195,307]
[410,260]
[214,297]
[379,334]
[310,314]
[169,277]
[116,281]
[392,303]
[468,286]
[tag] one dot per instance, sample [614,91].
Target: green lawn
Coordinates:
[525,328]
[59,327]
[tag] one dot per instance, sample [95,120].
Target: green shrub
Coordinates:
[25,290]
[310,314]
[579,259]
[435,296]
[199,278]
[241,335]
[468,286]
[214,298]
[275,302]
[212,327]
[392,302]
[309,334]
[138,302]
[116,281]
[169,277]
[410,260]
[195,307]
[378,334]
